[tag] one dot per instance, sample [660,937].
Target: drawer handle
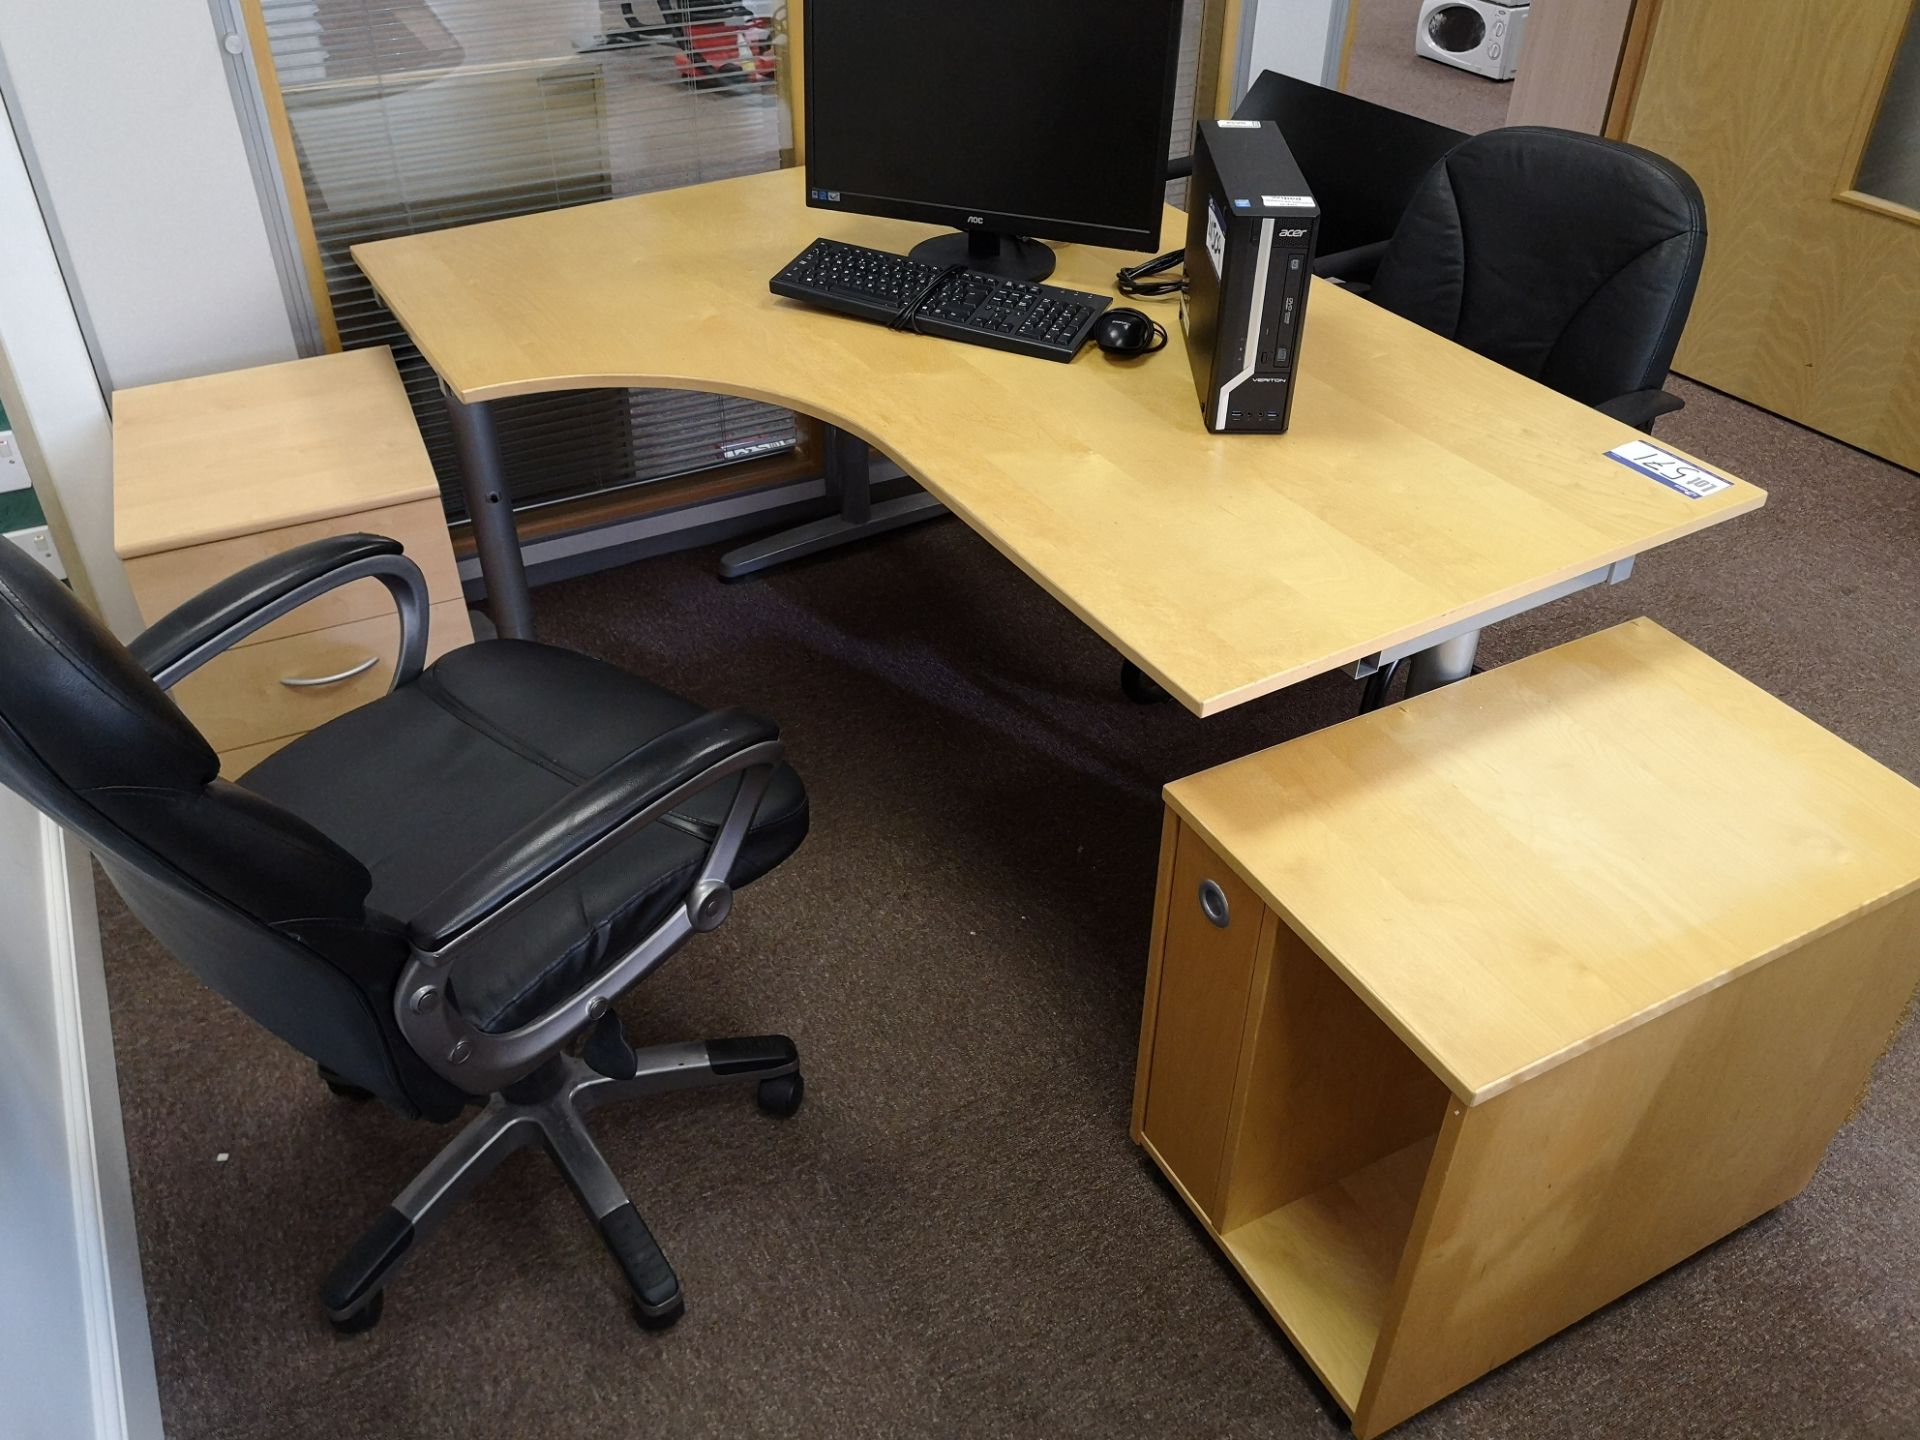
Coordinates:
[307,684]
[1213,903]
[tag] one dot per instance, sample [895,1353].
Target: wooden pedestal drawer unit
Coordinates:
[214,473]
[1466,1017]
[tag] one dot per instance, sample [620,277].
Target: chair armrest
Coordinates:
[637,788]
[1180,167]
[1353,267]
[633,792]
[225,613]
[1640,408]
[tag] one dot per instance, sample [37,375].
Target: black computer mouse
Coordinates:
[1128,332]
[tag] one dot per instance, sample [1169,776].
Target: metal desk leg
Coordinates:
[490,506]
[1446,654]
[1443,664]
[1378,683]
[857,516]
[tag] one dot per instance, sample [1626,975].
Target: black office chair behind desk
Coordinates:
[429,896]
[1568,258]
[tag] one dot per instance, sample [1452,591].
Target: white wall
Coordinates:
[1301,38]
[128,116]
[76,1360]
[163,249]
[53,397]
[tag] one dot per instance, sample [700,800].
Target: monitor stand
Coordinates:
[988,250]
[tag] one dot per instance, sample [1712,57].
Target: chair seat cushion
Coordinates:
[421,784]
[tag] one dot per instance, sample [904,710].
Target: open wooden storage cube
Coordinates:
[1466,1017]
[1297,1125]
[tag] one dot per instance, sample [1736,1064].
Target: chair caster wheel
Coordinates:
[782,1094]
[363,1319]
[659,1320]
[1139,687]
[345,1089]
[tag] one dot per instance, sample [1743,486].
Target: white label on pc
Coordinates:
[1238,124]
[1670,470]
[1293,201]
[1216,237]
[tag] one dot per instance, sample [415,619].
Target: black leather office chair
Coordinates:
[1569,258]
[429,896]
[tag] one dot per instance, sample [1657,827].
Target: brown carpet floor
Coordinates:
[955,1237]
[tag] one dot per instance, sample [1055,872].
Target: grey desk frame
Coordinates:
[1438,658]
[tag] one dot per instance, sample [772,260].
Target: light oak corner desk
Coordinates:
[1422,493]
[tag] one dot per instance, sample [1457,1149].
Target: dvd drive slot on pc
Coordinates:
[1277,344]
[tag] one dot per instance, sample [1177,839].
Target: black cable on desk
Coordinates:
[1134,281]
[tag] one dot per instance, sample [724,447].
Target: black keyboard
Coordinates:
[955,304]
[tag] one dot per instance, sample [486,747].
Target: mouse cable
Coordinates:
[1158,343]
[1133,280]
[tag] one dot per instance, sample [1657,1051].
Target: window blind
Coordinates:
[413,115]
[409,116]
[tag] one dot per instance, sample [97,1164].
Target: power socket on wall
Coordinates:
[38,543]
[13,474]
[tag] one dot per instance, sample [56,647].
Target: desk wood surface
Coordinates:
[249,450]
[1518,867]
[1419,485]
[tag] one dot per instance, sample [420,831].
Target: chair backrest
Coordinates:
[1361,160]
[1569,258]
[265,909]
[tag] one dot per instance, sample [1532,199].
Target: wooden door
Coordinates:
[1810,301]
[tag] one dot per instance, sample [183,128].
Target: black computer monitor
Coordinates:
[1001,118]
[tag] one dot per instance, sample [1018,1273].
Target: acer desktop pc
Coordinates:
[1250,237]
